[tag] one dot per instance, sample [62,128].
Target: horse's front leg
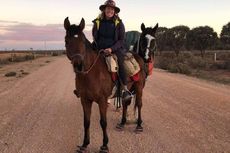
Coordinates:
[87,106]
[103,122]
[77,88]
[138,104]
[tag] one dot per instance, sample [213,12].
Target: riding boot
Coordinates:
[127,95]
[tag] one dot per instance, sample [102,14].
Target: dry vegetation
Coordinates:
[10,57]
[193,65]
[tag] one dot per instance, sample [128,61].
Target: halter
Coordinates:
[90,68]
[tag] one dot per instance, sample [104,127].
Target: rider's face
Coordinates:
[109,12]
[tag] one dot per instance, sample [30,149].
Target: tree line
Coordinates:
[200,38]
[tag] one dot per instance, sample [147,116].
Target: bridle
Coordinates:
[82,57]
[148,48]
[77,55]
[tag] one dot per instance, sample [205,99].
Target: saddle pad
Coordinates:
[131,65]
[111,62]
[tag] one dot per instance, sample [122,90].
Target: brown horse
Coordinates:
[95,81]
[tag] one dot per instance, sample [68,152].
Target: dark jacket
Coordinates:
[119,34]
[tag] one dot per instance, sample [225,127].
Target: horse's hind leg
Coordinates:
[103,122]
[87,105]
[121,125]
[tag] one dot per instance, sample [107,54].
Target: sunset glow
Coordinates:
[28,24]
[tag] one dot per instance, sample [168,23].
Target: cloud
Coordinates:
[14,31]
[30,32]
[4,21]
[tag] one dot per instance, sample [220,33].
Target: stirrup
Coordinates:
[127,95]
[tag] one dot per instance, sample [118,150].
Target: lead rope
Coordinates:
[138,44]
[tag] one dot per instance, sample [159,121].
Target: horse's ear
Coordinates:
[82,24]
[142,27]
[66,23]
[155,29]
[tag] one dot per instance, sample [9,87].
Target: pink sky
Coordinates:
[26,24]
[16,35]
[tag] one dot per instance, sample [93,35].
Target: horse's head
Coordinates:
[75,43]
[147,42]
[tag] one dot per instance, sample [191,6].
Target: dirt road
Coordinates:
[40,114]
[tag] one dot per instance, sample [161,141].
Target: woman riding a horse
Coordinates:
[109,34]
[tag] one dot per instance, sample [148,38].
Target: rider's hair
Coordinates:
[102,16]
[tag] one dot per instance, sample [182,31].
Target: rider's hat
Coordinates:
[110,3]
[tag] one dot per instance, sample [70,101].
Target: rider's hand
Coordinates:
[108,50]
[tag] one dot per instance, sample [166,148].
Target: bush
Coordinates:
[196,62]
[221,65]
[162,63]
[4,61]
[15,58]
[184,69]
[10,74]
[173,68]
[227,65]
[29,57]
[55,54]
[223,56]
[180,68]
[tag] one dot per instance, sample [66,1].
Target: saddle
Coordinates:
[130,64]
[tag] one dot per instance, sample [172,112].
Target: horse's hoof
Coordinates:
[104,149]
[139,129]
[81,149]
[120,127]
[76,92]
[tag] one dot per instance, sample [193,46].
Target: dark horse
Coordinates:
[95,81]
